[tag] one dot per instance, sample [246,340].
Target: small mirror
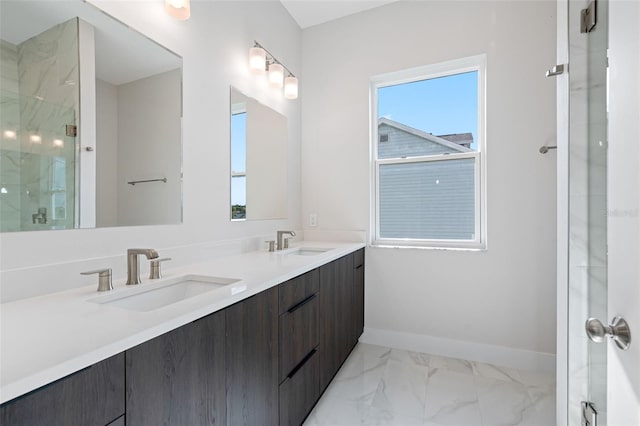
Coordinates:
[90,121]
[258,160]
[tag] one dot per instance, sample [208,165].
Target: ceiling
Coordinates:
[313,12]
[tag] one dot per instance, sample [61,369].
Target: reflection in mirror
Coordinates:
[88,105]
[259,138]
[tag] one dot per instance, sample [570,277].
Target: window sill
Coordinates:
[389,245]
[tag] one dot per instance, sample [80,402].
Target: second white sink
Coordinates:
[150,296]
[309,251]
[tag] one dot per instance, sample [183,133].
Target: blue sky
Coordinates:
[238,157]
[440,106]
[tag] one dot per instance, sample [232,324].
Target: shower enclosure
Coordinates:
[39,98]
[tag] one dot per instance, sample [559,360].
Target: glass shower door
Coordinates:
[587,368]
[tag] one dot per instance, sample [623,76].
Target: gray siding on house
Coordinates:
[404,144]
[428,200]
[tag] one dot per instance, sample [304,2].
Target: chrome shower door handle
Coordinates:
[618,330]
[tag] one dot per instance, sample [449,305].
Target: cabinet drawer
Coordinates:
[300,391]
[298,289]
[299,333]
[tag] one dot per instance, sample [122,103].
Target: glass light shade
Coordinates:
[276,75]
[35,139]
[257,60]
[291,87]
[179,9]
[58,142]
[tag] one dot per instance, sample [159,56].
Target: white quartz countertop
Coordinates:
[48,337]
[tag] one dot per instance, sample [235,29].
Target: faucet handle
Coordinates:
[104,278]
[285,243]
[272,245]
[155,272]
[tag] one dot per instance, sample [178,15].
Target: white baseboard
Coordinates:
[497,355]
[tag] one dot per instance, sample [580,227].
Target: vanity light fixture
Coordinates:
[261,60]
[58,143]
[179,9]
[35,138]
[9,134]
[276,75]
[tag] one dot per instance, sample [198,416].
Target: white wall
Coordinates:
[148,128]
[502,297]
[107,157]
[214,44]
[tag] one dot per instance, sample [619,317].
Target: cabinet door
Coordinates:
[252,360]
[299,391]
[336,331]
[91,397]
[178,378]
[358,295]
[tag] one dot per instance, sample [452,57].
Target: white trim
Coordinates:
[562,218]
[497,355]
[458,66]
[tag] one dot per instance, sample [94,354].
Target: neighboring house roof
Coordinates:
[457,142]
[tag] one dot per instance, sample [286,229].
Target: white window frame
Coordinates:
[442,69]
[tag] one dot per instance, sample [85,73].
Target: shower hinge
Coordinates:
[72,130]
[589,414]
[588,18]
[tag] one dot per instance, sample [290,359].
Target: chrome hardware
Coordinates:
[133,182]
[618,330]
[40,217]
[280,244]
[104,278]
[71,130]
[133,263]
[544,149]
[155,271]
[589,414]
[588,18]
[272,245]
[285,243]
[556,70]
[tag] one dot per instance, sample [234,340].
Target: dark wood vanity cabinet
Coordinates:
[299,335]
[358,295]
[91,397]
[252,360]
[336,331]
[262,361]
[178,378]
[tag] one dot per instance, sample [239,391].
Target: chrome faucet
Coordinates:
[133,263]
[284,245]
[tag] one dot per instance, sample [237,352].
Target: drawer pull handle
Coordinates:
[301,304]
[302,363]
[359,266]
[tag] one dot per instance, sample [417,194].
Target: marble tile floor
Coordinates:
[384,386]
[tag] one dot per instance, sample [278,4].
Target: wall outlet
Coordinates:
[313,219]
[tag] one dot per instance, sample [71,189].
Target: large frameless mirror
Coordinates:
[91,121]
[258,160]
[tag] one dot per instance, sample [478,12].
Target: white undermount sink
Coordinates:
[150,296]
[308,251]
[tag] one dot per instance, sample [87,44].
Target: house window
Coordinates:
[429,173]
[239,162]
[384,137]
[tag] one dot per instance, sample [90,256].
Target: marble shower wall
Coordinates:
[39,163]
[587,210]
[9,146]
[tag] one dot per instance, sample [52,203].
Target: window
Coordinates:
[239,161]
[428,156]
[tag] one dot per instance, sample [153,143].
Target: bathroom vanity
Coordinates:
[262,356]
